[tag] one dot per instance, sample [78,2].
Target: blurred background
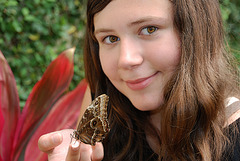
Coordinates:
[35,32]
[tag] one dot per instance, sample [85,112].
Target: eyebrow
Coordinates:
[147,19]
[102,30]
[134,23]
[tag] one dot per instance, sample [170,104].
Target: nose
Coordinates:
[130,55]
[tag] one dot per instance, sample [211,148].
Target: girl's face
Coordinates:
[139,48]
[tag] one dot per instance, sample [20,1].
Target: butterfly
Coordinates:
[94,124]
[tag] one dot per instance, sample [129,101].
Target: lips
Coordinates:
[141,83]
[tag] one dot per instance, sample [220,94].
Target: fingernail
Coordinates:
[57,138]
[75,145]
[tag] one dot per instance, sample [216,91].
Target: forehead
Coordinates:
[127,11]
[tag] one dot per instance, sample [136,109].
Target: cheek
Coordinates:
[108,64]
[171,54]
[165,57]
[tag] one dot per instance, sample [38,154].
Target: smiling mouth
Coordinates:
[141,83]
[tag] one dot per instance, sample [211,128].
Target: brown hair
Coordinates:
[194,111]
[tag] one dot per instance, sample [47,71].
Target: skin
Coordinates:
[139,51]
[56,145]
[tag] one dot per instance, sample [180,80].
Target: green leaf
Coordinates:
[25,11]
[11,3]
[51,0]
[17,26]
[29,18]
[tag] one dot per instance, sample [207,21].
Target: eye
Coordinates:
[94,123]
[111,39]
[148,30]
[96,103]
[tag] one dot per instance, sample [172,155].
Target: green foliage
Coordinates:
[33,32]
[231,16]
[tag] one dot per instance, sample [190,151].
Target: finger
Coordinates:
[97,152]
[73,151]
[85,152]
[49,141]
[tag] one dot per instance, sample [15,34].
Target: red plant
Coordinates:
[48,108]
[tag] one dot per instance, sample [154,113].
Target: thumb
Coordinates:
[49,141]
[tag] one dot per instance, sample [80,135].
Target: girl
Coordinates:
[170,81]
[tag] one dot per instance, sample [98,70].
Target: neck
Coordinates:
[152,139]
[155,119]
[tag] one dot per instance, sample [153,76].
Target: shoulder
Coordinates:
[232,110]
[85,102]
[232,151]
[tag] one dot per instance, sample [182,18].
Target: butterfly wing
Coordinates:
[94,124]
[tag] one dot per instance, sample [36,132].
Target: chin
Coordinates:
[147,106]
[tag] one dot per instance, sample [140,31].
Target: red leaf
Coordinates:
[63,115]
[1,117]
[53,83]
[9,108]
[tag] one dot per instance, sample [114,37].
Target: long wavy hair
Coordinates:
[193,114]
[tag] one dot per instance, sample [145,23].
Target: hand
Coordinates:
[57,146]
